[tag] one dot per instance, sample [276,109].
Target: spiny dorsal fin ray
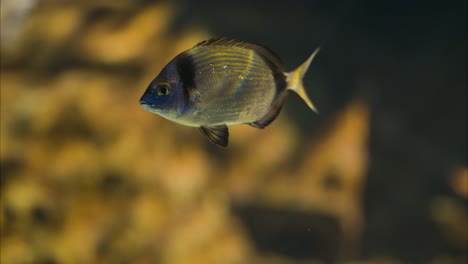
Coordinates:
[229,42]
[217,134]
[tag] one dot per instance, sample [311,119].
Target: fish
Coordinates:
[221,82]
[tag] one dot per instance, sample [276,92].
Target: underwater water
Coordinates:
[89,176]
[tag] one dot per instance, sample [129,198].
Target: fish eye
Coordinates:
[163,89]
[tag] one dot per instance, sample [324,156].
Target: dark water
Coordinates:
[408,60]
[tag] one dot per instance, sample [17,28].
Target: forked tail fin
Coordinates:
[294,79]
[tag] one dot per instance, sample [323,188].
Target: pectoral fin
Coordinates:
[217,134]
[274,111]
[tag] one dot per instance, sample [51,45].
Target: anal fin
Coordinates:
[274,111]
[218,135]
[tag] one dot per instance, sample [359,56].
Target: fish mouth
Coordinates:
[147,106]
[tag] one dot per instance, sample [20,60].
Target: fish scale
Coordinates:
[219,97]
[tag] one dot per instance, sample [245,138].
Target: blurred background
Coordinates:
[379,176]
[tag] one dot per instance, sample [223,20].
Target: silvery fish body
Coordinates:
[222,82]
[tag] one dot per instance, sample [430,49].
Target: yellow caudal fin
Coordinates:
[295,77]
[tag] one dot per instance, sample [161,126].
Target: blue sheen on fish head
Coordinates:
[165,95]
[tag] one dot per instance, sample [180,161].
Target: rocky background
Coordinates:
[88,176]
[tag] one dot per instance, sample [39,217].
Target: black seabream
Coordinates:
[221,82]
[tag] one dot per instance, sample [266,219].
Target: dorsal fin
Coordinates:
[229,42]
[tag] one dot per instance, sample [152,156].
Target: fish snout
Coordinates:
[146,100]
[146,104]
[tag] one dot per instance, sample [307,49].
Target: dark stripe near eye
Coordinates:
[186,70]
